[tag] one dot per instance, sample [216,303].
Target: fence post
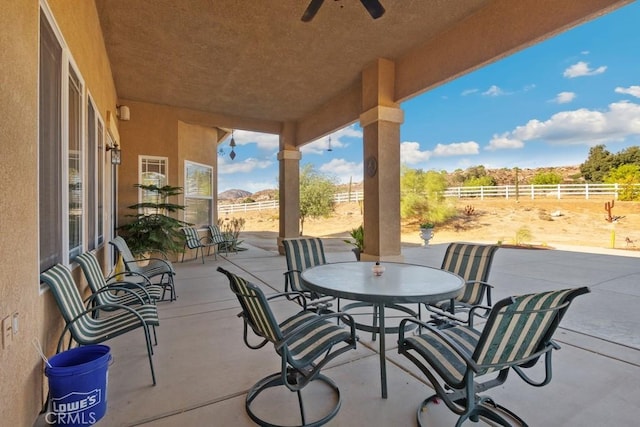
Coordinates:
[559,193]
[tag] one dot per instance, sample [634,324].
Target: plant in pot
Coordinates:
[152,230]
[357,234]
[426,232]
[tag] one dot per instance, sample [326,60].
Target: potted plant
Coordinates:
[357,234]
[151,229]
[426,232]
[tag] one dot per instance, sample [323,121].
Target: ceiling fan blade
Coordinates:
[311,11]
[374,7]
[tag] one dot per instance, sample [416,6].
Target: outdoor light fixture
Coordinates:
[115,153]
[123,112]
[329,147]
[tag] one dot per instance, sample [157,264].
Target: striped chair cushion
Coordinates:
[517,328]
[256,308]
[93,273]
[310,342]
[216,235]
[302,253]
[447,363]
[473,263]
[152,269]
[88,330]
[516,331]
[192,239]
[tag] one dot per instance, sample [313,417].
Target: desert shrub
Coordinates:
[627,176]
[480,181]
[422,196]
[546,178]
[317,192]
[523,235]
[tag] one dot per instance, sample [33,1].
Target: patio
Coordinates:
[204,369]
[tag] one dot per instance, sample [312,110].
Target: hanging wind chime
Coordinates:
[232,144]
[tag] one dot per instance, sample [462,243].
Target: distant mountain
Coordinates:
[233,194]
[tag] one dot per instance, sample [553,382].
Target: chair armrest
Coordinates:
[131,286]
[291,295]
[109,288]
[128,273]
[92,310]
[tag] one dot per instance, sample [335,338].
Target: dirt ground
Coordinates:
[575,222]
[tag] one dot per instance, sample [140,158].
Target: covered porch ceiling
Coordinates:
[258,61]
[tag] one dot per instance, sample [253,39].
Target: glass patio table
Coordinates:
[399,284]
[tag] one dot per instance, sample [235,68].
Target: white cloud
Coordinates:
[410,153]
[343,170]
[564,97]
[265,141]
[580,126]
[580,69]
[228,166]
[631,90]
[338,137]
[456,149]
[469,92]
[494,91]
[503,142]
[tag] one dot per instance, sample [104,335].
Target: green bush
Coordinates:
[546,178]
[627,176]
[422,196]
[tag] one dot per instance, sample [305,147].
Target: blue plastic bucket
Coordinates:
[78,386]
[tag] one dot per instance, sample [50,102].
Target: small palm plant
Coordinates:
[151,229]
[357,234]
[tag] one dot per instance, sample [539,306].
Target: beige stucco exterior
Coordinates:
[21,369]
[169,123]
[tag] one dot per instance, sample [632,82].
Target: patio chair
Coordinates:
[305,342]
[456,360]
[473,263]
[302,253]
[194,241]
[155,267]
[119,292]
[84,328]
[220,242]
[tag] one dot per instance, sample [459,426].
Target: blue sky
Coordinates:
[544,106]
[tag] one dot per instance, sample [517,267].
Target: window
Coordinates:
[66,192]
[153,171]
[50,147]
[76,171]
[95,178]
[198,193]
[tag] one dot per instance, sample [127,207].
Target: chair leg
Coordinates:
[147,337]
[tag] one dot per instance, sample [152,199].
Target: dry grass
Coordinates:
[550,222]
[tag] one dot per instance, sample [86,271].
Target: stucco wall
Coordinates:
[21,372]
[159,130]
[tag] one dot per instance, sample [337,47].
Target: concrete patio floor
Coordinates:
[204,369]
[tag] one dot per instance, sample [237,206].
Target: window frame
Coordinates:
[188,195]
[68,124]
[142,158]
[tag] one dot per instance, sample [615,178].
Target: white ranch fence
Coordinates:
[223,209]
[559,191]
[536,191]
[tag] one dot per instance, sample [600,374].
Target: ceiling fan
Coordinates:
[374,8]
